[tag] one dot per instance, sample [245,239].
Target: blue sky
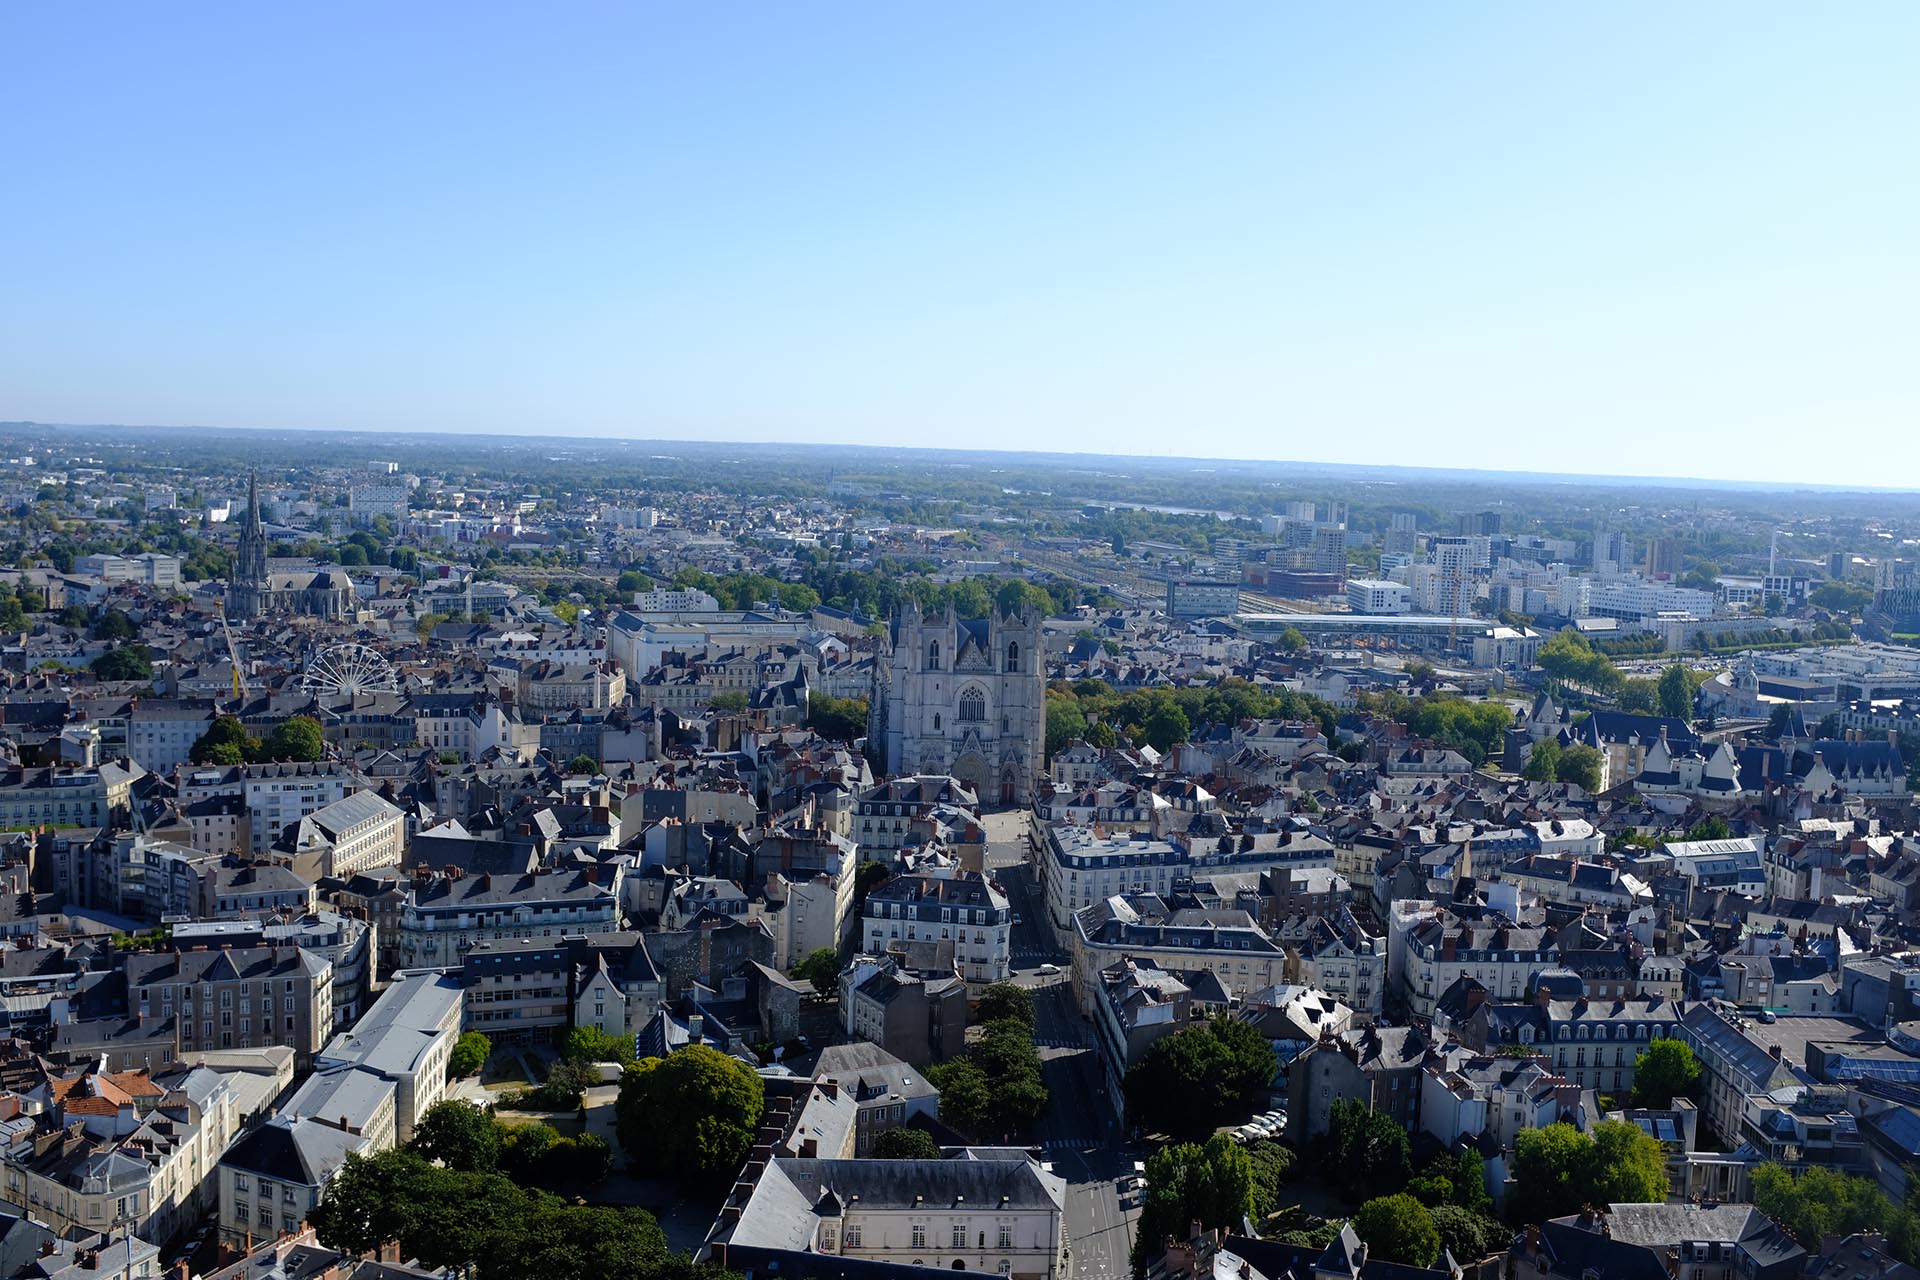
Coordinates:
[1662,239]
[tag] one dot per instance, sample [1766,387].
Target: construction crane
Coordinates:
[233,659]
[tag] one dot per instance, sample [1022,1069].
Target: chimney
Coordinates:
[1773,1051]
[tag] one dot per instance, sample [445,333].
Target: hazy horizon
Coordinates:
[1494,475]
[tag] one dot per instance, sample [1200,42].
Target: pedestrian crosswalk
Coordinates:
[1060,1042]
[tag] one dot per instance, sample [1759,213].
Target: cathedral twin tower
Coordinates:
[966,697]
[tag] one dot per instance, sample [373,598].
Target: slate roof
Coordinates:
[306,1151]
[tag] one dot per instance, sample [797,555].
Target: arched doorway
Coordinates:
[970,767]
[1009,785]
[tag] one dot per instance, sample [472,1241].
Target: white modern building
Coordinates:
[1377,595]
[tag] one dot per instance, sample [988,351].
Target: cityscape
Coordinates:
[1040,642]
[560,858]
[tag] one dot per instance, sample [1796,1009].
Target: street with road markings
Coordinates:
[1077,1136]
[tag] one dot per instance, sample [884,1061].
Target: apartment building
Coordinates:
[235,997]
[966,908]
[442,917]
[974,1212]
[405,1039]
[358,832]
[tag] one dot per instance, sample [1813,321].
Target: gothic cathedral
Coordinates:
[965,697]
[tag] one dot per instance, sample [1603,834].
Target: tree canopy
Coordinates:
[1398,1228]
[459,1135]
[903,1142]
[1666,1069]
[1188,1183]
[1005,1000]
[470,1053]
[995,1089]
[692,1112]
[1819,1202]
[489,1226]
[1189,1083]
[1368,1153]
[1557,1169]
[128,662]
[821,967]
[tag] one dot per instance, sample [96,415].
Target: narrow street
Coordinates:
[1076,1136]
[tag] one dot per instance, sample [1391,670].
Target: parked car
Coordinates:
[1049,969]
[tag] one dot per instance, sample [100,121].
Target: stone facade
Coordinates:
[964,697]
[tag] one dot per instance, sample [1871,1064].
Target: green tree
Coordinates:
[366,1203]
[583,764]
[836,719]
[633,581]
[591,1044]
[128,662]
[1166,725]
[822,968]
[1065,722]
[458,1135]
[1678,685]
[1272,1165]
[728,702]
[1366,1149]
[1778,719]
[226,741]
[1666,1069]
[905,1143]
[116,626]
[865,877]
[1005,1000]
[1205,1075]
[298,738]
[1398,1228]
[692,1112]
[1291,641]
[1557,1168]
[1543,762]
[1465,1174]
[1188,1183]
[1628,1165]
[524,1151]
[966,1097]
[1820,1202]
[470,1053]
[1466,1235]
[1639,696]
[564,1241]
[1581,764]
[1710,828]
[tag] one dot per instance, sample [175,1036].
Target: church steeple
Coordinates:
[247,590]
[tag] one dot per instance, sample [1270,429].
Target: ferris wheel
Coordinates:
[349,668]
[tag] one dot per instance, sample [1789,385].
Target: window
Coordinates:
[853,1237]
[826,1238]
[1013,655]
[959,1236]
[973,706]
[1006,1239]
[919,1236]
[933,656]
[936,722]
